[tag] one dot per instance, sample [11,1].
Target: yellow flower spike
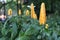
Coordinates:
[33,15]
[19,12]
[42,17]
[27,12]
[10,12]
[46,26]
[31,10]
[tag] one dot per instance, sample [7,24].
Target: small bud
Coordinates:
[27,12]
[46,26]
[19,12]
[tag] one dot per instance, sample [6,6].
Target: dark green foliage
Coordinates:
[25,28]
[51,5]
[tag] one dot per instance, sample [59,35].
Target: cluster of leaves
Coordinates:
[25,28]
[11,4]
[57,6]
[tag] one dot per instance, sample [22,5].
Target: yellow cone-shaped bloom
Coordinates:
[42,17]
[33,15]
[27,12]
[19,12]
[10,12]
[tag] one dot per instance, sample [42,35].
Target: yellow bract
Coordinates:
[27,12]
[33,15]
[42,16]
[19,12]
[10,12]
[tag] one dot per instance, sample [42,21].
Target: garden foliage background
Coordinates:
[22,27]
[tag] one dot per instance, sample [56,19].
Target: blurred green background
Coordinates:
[25,28]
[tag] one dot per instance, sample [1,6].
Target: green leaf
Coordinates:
[23,38]
[2,38]
[58,38]
[31,31]
[14,30]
